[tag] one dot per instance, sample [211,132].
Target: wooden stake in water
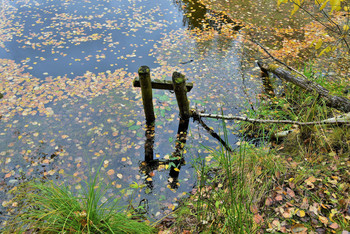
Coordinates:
[180,90]
[146,90]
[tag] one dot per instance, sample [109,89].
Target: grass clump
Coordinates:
[230,187]
[48,207]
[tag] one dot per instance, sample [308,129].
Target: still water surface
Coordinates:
[69,105]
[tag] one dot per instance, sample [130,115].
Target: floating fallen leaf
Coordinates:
[46,161]
[52,172]
[110,172]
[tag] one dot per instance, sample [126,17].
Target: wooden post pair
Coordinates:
[178,84]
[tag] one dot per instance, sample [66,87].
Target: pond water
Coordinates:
[69,105]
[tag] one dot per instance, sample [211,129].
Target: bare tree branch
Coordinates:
[344,119]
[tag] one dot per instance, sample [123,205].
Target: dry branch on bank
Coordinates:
[343,119]
[339,103]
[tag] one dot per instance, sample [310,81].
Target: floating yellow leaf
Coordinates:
[110,172]
[46,161]
[51,172]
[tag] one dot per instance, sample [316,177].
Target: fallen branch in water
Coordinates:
[339,103]
[196,117]
[343,119]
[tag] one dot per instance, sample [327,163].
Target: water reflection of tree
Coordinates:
[198,18]
[193,13]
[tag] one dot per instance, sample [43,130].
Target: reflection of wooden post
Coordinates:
[180,90]
[149,144]
[146,90]
[179,148]
[268,87]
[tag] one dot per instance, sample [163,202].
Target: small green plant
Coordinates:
[48,207]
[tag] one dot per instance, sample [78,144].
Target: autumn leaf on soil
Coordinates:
[310,181]
[258,218]
[268,201]
[299,228]
[301,213]
[288,213]
[279,197]
[254,209]
[290,192]
[324,220]
[334,226]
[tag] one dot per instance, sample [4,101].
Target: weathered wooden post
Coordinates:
[146,90]
[179,82]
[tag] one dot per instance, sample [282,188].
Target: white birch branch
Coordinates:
[343,119]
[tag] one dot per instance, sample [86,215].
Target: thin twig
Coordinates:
[197,117]
[312,16]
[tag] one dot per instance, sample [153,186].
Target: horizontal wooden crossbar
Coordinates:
[162,84]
